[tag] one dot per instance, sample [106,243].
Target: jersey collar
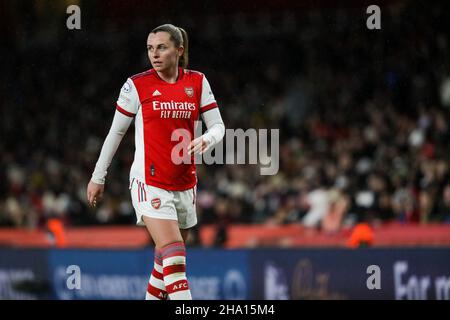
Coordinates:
[180,75]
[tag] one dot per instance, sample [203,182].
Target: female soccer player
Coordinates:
[164,101]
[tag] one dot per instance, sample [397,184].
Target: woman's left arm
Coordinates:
[214,134]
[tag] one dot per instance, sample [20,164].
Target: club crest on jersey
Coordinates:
[189,91]
[156,203]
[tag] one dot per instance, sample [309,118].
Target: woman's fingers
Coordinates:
[96,197]
[192,145]
[204,147]
[195,146]
[94,194]
[91,199]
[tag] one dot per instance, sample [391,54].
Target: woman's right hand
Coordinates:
[94,193]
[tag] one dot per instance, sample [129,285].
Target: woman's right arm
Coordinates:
[127,107]
[119,127]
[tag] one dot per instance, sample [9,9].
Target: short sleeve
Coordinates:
[208,101]
[128,101]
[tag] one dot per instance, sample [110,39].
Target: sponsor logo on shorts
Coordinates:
[156,203]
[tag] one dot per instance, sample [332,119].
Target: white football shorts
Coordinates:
[158,203]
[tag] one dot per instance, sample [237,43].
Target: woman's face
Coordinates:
[162,52]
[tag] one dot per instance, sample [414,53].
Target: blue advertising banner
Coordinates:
[278,274]
[100,274]
[351,274]
[23,274]
[116,274]
[219,274]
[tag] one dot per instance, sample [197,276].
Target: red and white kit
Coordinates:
[160,109]
[164,116]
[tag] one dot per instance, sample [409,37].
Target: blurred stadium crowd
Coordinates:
[364,115]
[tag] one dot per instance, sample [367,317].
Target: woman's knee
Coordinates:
[163,232]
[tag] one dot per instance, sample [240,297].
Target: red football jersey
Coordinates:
[160,108]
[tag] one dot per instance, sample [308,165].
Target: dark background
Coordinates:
[362,113]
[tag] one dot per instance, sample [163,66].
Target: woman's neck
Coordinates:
[169,76]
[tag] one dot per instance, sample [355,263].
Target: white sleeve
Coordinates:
[119,127]
[128,101]
[207,101]
[215,126]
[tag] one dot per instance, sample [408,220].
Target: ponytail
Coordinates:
[184,59]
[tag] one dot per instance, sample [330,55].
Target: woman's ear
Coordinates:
[180,51]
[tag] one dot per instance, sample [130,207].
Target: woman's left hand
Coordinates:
[198,146]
